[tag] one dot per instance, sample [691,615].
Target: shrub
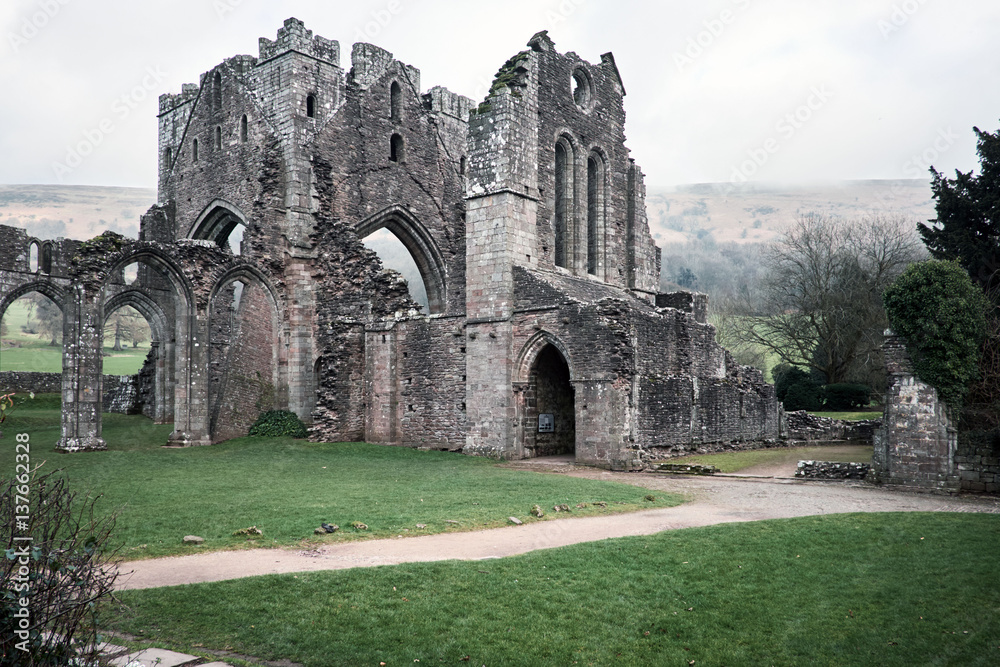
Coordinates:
[279,423]
[806,395]
[846,396]
[64,572]
[941,315]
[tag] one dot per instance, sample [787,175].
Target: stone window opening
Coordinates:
[168,155]
[463,165]
[311,105]
[395,102]
[583,92]
[33,257]
[396,148]
[244,130]
[217,91]
[194,150]
[47,258]
[563,202]
[595,213]
[130,273]
[218,138]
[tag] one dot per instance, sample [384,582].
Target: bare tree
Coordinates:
[819,303]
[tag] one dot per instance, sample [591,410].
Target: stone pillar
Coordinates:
[916,445]
[381,386]
[83,365]
[191,402]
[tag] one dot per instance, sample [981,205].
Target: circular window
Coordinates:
[583,93]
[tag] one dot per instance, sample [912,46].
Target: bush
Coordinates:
[942,316]
[805,395]
[279,423]
[796,389]
[64,572]
[846,396]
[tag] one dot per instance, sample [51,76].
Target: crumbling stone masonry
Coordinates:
[917,445]
[525,215]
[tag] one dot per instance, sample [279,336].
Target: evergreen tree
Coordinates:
[967,227]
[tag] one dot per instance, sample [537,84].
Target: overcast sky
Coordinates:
[719,90]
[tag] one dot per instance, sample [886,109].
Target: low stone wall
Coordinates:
[811,428]
[24,382]
[121,392]
[832,470]
[978,461]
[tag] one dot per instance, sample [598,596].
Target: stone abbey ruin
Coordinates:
[546,332]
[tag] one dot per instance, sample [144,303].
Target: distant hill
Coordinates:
[75,212]
[747,213]
[757,212]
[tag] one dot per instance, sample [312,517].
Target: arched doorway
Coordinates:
[550,406]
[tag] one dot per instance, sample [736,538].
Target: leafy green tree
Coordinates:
[941,314]
[967,227]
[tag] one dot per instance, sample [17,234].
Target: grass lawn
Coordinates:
[729,462]
[288,487]
[851,416]
[860,589]
[20,351]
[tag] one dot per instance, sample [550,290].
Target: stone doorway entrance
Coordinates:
[551,406]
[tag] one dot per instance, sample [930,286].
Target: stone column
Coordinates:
[83,365]
[191,404]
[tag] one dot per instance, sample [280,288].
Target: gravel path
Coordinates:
[712,500]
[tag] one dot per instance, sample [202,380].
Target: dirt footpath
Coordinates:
[712,500]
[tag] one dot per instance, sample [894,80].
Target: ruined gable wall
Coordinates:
[356,179]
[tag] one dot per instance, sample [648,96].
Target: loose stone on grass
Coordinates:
[193,539]
[251,532]
[537,511]
[514,520]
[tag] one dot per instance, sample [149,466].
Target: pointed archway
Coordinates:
[545,399]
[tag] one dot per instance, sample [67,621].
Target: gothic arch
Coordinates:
[147,307]
[529,354]
[48,288]
[418,241]
[216,222]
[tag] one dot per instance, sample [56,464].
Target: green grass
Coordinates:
[21,351]
[850,416]
[861,589]
[288,487]
[730,462]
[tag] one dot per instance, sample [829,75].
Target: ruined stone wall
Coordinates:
[917,443]
[431,363]
[583,104]
[246,385]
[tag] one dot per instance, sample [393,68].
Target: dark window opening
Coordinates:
[47,258]
[167,155]
[562,195]
[244,130]
[463,165]
[217,91]
[311,106]
[593,208]
[396,148]
[218,138]
[395,102]
[194,150]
